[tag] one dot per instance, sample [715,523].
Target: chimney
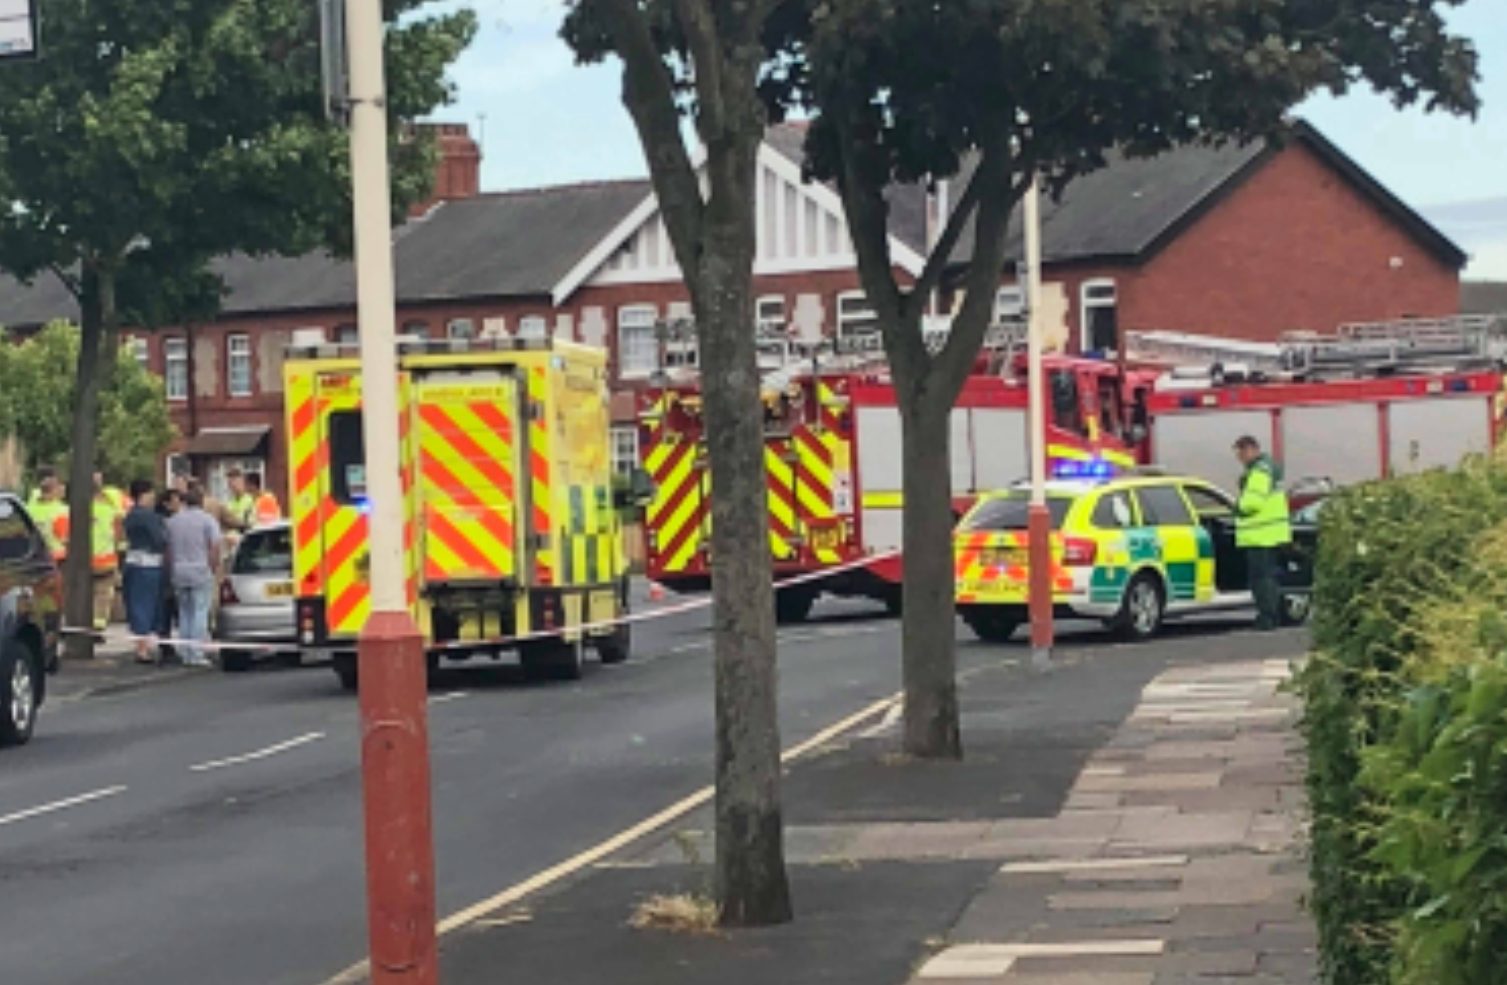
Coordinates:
[457,174]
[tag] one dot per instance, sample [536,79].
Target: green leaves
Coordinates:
[135,427]
[1406,721]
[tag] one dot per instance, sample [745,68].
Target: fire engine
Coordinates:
[511,528]
[832,458]
[1368,401]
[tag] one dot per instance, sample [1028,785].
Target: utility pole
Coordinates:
[1040,519]
[394,728]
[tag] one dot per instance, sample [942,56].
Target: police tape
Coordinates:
[258,646]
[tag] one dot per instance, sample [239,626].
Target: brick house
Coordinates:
[1247,242]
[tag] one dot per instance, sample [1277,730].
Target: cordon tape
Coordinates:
[659,612]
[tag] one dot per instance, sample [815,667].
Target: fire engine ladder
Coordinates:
[1356,349]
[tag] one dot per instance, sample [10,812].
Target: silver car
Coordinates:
[256,598]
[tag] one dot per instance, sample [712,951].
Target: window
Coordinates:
[265,552]
[140,352]
[1101,330]
[238,370]
[1013,512]
[1009,303]
[855,316]
[347,335]
[18,541]
[637,341]
[177,465]
[769,315]
[347,457]
[1163,506]
[1113,512]
[624,449]
[175,376]
[1208,503]
[1067,408]
[533,327]
[461,328]
[416,330]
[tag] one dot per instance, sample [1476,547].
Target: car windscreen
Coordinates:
[1013,512]
[265,552]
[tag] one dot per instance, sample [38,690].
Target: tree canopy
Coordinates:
[135,427]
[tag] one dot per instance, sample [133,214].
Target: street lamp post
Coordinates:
[1040,519]
[393,687]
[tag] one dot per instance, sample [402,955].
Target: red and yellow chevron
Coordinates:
[677,515]
[991,566]
[541,489]
[467,468]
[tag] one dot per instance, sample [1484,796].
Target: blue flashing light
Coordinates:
[1096,468]
[1460,386]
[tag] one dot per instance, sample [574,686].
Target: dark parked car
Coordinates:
[31,595]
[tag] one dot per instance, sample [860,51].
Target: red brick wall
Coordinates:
[1294,247]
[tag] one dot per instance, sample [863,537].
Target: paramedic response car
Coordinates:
[1131,551]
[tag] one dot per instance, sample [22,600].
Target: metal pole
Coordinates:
[394,730]
[1040,522]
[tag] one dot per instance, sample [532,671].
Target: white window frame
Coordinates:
[644,351]
[624,449]
[461,329]
[533,327]
[174,363]
[846,320]
[416,328]
[140,351]
[769,315]
[1087,304]
[237,351]
[348,333]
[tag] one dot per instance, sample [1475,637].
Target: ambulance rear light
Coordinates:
[1079,552]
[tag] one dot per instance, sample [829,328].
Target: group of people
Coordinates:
[164,547]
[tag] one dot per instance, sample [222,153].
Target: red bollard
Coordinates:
[1039,546]
[396,793]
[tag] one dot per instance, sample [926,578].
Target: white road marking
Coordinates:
[59,805]
[485,908]
[440,699]
[252,757]
[887,723]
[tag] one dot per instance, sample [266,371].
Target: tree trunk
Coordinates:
[98,317]
[752,889]
[928,635]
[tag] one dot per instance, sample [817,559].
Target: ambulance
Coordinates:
[511,532]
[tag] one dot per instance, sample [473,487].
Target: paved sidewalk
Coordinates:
[1174,861]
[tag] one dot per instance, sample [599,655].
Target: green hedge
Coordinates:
[1404,704]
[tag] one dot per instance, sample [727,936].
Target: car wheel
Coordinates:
[1142,609]
[1294,609]
[793,605]
[344,665]
[991,623]
[18,694]
[235,661]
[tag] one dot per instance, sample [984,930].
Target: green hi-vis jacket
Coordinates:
[1263,519]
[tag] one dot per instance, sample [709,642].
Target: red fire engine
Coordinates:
[1370,401]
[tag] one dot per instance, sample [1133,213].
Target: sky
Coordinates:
[546,121]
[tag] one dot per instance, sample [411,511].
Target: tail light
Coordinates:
[1079,552]
[227,593]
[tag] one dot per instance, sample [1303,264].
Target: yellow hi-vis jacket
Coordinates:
[1264,519]
[104,533]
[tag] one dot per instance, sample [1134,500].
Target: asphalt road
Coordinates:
[209,829]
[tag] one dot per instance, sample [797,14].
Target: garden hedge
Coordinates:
[1405,716]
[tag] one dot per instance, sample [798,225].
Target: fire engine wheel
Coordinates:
[793,605]
[1142,609]
[552,659]
[991,623]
